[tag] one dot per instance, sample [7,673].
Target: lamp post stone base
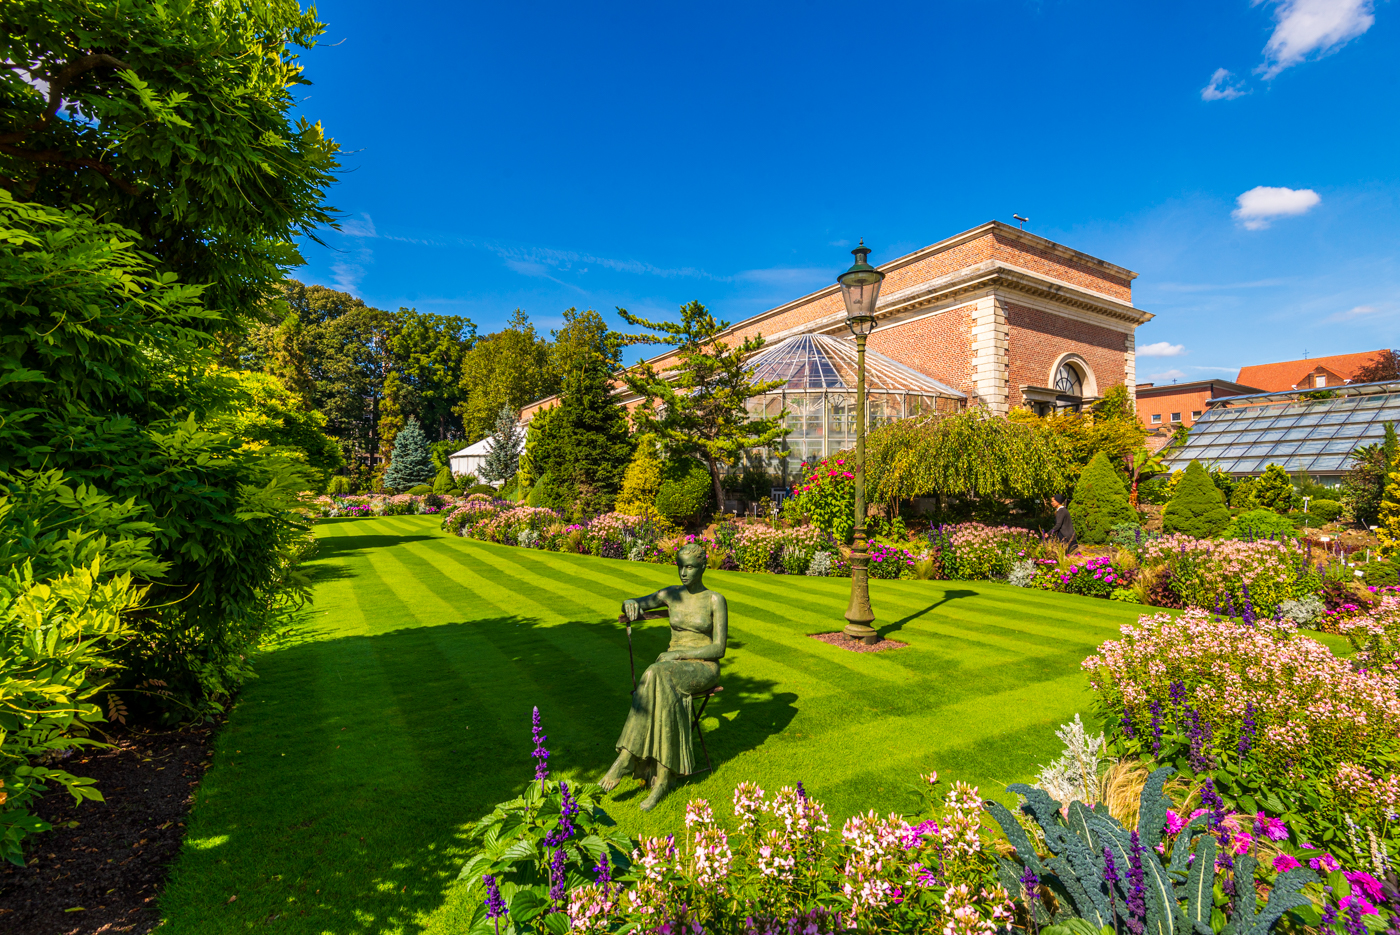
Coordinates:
[859,614]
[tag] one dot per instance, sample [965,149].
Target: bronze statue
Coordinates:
[655,742]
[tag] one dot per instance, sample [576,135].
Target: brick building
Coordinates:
[1000,314]
[1317,373]
[1175,404]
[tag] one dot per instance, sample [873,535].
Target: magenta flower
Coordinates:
[1364,882]
[1283,863]
[1174,822]
[1361,903]
[1326,863]
[1270,828]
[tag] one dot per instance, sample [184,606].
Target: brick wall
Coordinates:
[1156,402]
[937,345]
[1016,253]
[1039,338]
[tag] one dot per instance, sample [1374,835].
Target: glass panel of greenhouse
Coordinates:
[1297,430]
[818,390]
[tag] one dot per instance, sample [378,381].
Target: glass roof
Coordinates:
[822,362]
[1313,435]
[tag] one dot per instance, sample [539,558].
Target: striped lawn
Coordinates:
[340,787]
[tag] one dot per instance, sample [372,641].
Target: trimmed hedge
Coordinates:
[1325,510]
[685,493]
[1100,502]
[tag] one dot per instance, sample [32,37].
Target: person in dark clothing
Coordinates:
[1064,526]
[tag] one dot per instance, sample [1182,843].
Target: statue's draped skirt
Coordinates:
[658,726]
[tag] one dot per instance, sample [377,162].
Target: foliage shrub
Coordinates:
[1233,576]
[1273,490]
[1100,502]
[1196,508]
[1274,717]
[1242,497]
[1325,511]
[1380,573]
[421,490]
[642,480]
[340,485]
[1261,524]
[828,496]
[685,493]
[443,481]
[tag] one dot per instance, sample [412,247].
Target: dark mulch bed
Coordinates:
[104,874]
[840,640]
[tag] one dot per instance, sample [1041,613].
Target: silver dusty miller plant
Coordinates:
[1074,777]
[1022,574]
[820,565]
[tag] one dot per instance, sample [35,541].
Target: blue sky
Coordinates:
[1243,158]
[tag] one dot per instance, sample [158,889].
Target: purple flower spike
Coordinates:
[495,905]
[558,882]
[541,755]
[1137,898]
[1246,731]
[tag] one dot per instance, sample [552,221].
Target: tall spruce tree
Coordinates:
[503,451]
[584,446]
[1100,502]
[411,463]
[1197,508]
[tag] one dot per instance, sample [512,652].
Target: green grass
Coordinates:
[340,787]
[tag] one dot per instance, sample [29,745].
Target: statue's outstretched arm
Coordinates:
[634,607]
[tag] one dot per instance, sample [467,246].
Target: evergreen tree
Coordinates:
[699,404]
[411,464]
[1388,523]
[585,444]
[642,480]
[1100,502]
[1197,508]
[503,451]
[1274,490]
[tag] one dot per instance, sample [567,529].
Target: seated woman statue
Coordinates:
[656,740]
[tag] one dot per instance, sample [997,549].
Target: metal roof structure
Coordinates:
[1313,431]
[825,362]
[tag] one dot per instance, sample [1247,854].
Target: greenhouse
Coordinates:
[819,390]
[1314,432]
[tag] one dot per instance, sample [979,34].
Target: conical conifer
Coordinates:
[1100,502]
[410,464]
[1197,508]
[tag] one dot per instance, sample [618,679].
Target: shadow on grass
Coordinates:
[947,596]
[331,546]
[353,766]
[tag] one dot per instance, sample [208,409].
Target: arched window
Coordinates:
[1069,381]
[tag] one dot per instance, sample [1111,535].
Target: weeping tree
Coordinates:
[970,454]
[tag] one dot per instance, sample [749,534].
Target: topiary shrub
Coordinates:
[482,488]
[1197,509]
[642,481]
[1324,510]
[1273,490]
[685,491]
[444,482]
[421,490]
[1261,524]
[1100,502]
[1242,496]
[1378,574]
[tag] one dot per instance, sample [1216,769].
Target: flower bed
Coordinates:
[1276,718]
[1239,578]
[403,504]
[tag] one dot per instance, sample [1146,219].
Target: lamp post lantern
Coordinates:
[860,287]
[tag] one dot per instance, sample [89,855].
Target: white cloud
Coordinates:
[362,226]
[1166,376]
[1161,349]
[1261,204]
[1303,27]
[347,276]
[1363,311]
[1221,89]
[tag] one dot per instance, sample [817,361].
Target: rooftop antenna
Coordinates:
[1305,353]
[1023,221]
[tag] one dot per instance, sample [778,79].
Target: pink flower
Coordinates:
[1361,903]
[1174,822]
[1271,828]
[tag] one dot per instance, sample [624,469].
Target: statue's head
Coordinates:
[691,560]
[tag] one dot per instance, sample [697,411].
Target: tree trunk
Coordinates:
[714,478]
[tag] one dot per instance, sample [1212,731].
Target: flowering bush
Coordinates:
[828,495]
[972,550]
[886,561]
[1376,636]
[1274,716]
[1094,577]
[1240,578]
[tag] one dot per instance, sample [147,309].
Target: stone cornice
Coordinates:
[974,281]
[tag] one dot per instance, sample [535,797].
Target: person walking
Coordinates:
[1064,525]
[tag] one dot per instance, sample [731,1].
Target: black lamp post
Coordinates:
[860,287]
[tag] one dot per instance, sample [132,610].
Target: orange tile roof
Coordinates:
[1289,373]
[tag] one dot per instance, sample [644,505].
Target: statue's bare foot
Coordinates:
[614,774]
[660,786]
